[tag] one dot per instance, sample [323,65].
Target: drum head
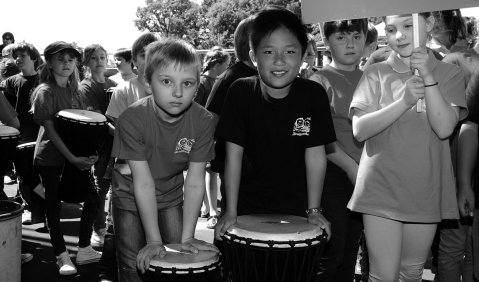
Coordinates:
[177,258]
[7,132]
[26,145]
[264,229]
[82,116]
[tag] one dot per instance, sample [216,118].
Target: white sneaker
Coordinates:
[87,255]
[65,264]
[98,238]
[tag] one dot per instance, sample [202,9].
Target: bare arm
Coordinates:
[466,162]
[194,192]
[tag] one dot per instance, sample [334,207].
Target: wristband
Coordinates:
[314,210]
[430,85]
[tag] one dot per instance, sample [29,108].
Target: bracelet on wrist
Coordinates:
[430,85]
[314,210]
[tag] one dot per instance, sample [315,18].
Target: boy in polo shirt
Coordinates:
[160,136]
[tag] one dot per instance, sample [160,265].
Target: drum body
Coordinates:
[27,174]
[82,131]
[178,266]
[9,137]
[273,248]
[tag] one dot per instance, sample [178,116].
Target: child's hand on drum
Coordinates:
[194,245]
[147,253]
[319,219]
[223,224]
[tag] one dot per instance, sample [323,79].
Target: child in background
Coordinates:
[370,46]
[124,64]
[346,40]
[95,90]
[405,182]
[309,65]
[160,136]
[58,90]
[216,61]
[275,112]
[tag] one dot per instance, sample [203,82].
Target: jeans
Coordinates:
[455,252]
[130,237]
[50,176]
[102,186]
[339,258]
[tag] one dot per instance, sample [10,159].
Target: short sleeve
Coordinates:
[453,89]
[118,102]
[129,143]
[366,96]
[322,128]
[203,149]
[217,95]
[232,123]
[43,106]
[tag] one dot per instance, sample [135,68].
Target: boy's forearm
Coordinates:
[466,154]
[194,192]
[315,159]
[234,159]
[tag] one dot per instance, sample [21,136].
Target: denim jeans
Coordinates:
[50,176]
[130,237]
[102,186]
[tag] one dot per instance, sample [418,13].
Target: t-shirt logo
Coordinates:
[302,126]
[184,145]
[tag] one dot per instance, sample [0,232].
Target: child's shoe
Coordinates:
[98,238]
[87,255]
[65,264]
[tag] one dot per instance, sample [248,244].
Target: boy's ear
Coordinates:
[252,57]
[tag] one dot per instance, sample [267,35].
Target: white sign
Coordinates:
[314,11]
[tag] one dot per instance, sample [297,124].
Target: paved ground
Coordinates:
[35,240]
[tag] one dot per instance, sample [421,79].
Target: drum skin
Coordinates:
[179,266]
[273,248]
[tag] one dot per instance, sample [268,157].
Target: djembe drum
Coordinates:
[8,142]
[273,248]
[83,132]
[180,266]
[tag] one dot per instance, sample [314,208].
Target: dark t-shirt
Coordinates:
[19,89]
[216,100]
[275,135]
[472,98]
[204,89]
[95,94]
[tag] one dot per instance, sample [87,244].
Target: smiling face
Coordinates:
[173,89]
[399,33]
[346,49]
[278,59]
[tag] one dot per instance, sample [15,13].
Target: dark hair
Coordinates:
[241,39]
[141,42]
[31,51]
[359,25]
[8,68]
[372,35]
[167,52]
[8,35]
[272,18]
[452,21]
[124,53]
[215,55]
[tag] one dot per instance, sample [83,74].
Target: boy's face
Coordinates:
[140,63]
[97,62]
[278,59]
[173,89]
[399,33]
[23,61]
[122,65]
[346,47]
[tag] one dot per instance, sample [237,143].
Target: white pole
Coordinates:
[415,22]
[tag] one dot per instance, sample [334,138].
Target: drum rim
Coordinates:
[58,115]
[293,244]
[26,145]
[189,270]
[13,134]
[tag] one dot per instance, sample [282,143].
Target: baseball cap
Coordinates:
[57,47]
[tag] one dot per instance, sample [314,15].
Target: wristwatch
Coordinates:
[314,210]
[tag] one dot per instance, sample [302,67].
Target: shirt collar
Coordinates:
[400,67]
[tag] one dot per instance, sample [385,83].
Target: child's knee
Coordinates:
[411,272]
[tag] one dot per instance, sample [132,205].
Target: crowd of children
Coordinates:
[371,143]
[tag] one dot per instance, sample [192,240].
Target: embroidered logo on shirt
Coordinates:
[302,126]
[184,145]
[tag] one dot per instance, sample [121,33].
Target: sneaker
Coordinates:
[27,217]
[98,238]
[211,222]
[65,264]
[87,255]
[26,257]
[8,180]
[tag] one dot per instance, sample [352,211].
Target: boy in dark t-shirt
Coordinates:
[280,123]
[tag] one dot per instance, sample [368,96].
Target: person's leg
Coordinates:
[102,186]
[50,177]
[129,239]
[384,239]
[416,243]
[351,248]
[468,266]
[170,222]
[452,242]
[90,210]
[108,267]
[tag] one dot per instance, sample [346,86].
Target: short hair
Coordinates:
[90,50]
[359,25]
[8,35]
[241,39]
[215,55]
[30,50]
[166,52]
[141,42]
[124,53]
[372,35]
[273,18]
[450,20]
